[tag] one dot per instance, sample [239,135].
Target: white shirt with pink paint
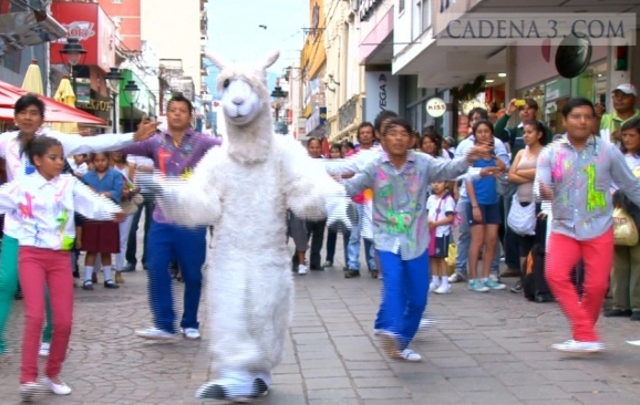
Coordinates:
[44,209]
[18,164]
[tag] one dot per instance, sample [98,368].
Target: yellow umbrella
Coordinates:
[33,79]
[65,95]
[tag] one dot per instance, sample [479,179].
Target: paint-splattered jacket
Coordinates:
[581,181]
[400,222]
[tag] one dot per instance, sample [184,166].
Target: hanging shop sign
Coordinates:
[436,107]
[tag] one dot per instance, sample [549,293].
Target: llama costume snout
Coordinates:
[244,188]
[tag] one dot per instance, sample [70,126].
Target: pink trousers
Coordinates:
[39,268]
[563,255]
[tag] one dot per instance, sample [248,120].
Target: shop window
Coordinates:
[411,89]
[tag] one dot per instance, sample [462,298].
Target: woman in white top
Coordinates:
[45,202]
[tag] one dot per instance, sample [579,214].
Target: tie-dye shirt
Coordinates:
[45,209]
[400,220]
[581,181]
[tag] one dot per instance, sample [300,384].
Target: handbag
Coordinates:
[522,220]
[625,231]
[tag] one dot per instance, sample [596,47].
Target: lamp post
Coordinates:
[73,52]
[279,97]
[131,90]
[113,81]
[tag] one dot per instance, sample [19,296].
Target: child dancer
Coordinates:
[400,178]
[101,237]
[46,202]
[441,210]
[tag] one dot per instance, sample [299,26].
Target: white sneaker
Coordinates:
[573,346]
[191,333]
[302,270]
[58,389]
[433,286]
[410,356]
[29,391]
[44,349]
[156,334]
[443,289]
[426,323]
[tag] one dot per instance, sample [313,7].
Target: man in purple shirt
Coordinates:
[175,152]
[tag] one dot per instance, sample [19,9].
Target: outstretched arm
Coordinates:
[310,191]
[190,202]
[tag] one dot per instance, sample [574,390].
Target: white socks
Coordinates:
[88,272]
[437,280]
[445,280]
[106,270]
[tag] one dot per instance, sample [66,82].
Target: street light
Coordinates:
[279,97]
[131,90]
[74,52]
[113,81]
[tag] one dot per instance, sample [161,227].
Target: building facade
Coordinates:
[344,80]
[313,67]
[126,17]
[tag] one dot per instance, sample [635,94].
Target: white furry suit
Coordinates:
[245,188]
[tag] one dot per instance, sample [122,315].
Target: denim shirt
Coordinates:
[580,180]
[400,220]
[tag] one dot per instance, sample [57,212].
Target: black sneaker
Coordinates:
[129,268]
[517,288]
[352,273]
[618,313]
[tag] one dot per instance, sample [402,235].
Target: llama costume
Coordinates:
[244,189]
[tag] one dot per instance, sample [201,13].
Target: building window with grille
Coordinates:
[400,6]
[426,15]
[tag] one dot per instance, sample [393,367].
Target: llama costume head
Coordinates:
[247,108]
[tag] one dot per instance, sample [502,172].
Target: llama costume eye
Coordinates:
[225,84]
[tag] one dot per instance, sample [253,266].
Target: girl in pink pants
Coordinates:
[47,201]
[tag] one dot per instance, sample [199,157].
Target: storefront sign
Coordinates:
[96,105]
[94,29]
[367,8]
[436,107]
[347,113]
[382,90]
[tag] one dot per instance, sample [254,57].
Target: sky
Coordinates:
[234,31]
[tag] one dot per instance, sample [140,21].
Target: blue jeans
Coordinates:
[464,241]
[354,245]
[166,243]
[404,294]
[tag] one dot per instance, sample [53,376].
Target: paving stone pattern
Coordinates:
[488,348]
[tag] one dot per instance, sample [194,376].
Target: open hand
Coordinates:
[146,129]
[480,151]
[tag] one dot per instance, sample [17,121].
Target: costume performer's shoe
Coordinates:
[220,390]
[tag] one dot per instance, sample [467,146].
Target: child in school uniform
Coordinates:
[101,237]
[46,201]
[441,210]
[400,179]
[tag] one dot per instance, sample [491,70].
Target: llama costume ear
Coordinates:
[216,60]
[271,59]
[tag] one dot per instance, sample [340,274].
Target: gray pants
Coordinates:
[297,230]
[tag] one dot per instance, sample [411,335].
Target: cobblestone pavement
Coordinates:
[485,349]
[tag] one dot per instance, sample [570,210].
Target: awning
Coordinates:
[54,111]
[27,28]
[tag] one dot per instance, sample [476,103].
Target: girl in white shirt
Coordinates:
[441,211]
[45,202]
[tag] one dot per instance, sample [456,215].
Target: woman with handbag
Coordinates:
[523,173]
[131,200]
[625,277]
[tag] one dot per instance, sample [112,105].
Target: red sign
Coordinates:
[94,29]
